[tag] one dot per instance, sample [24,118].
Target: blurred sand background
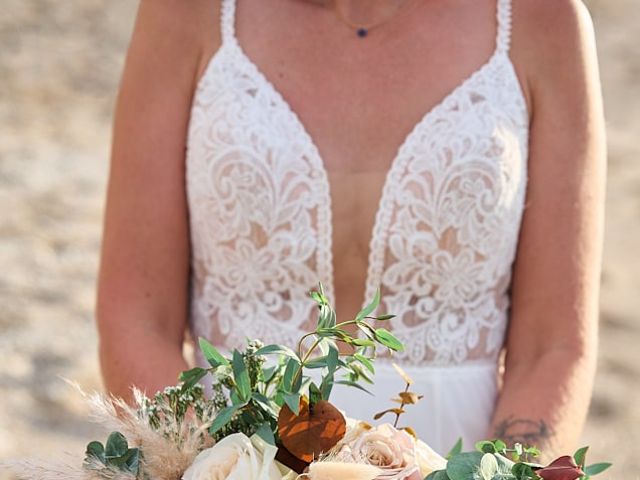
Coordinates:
[60,63]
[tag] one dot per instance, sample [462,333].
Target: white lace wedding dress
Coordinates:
[441,251]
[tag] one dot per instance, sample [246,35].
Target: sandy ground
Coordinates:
[59,67]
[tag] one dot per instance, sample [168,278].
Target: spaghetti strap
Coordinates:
[503,40]
[227,20]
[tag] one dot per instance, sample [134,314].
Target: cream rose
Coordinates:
[233,458]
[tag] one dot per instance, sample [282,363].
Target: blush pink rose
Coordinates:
[392,451]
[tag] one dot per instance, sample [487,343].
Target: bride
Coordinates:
[450,153]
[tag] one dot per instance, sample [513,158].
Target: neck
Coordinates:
[368,11]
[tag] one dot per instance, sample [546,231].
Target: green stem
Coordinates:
[395,424]
[301,341]
[306,356]
[350,322]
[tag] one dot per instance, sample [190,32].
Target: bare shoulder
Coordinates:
[553,41]
[549,26]
[176,33]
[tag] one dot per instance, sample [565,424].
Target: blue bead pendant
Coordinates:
[362,32]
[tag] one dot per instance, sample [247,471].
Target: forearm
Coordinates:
[544,402]
[147,360]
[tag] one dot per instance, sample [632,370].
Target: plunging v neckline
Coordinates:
[396,163]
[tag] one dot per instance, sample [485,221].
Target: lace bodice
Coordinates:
[445,233]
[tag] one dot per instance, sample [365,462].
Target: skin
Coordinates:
[373,85]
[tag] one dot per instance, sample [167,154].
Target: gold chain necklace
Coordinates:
[362,30]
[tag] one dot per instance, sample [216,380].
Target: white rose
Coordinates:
[233,458]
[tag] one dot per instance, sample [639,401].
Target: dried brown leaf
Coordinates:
[410,431]
[407,379]
[315,430]
[397,411]
[410,398]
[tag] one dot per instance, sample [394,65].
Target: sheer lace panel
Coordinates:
[446,229]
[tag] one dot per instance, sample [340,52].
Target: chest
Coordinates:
[359,99]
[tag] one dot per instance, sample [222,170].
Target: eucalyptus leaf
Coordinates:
[223,417]
[316,296]
[315,395]
[523,471]
[264,402]
[293,402]
[212,355]
[386,338]
[268,373]
[333,357]
[276,349]
[438,475]
[193,376]
[580,456]
[265,432]
[500,446]
[486,446]
[319,295]
[366,363]
[596,468]
[366,311]
[327,318]
[324,344]
[241,376]
[132,461]
[363,342]
[116,445]
[292,367]
[464,466]
[360,374]
[367,329]
[326,387]
[95,449]
[455,450]
[236,399]
[354,385]
[318,362]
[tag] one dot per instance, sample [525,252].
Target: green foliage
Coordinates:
[212,355]
[580,458]
[455,450]
[115,455]
[248,396]
[241,376]
[493,460]
[464,466]
[596,469]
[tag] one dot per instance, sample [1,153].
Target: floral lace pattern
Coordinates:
[446,230]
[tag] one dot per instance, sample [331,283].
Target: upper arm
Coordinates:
[557,269]
[145,251]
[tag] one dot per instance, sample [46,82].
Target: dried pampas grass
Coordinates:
[330,470]
[36,470]
[163,459]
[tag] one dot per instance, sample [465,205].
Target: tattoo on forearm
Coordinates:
[524,431]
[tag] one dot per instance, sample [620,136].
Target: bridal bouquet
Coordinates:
[268,417]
